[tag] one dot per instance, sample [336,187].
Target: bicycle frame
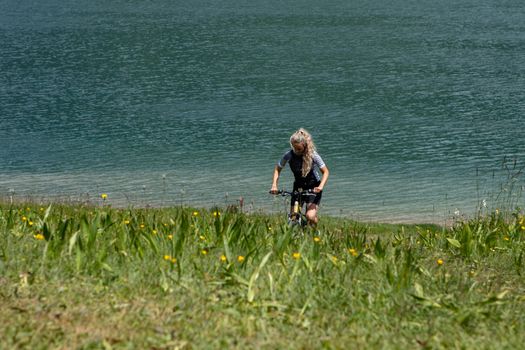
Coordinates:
[296,216]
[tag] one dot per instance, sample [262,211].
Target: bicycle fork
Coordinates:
[295,215]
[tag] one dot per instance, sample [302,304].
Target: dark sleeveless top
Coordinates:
[312,179]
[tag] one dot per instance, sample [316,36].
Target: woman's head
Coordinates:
[300,140]
[303,145]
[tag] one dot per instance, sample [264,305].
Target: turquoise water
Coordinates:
[417,107]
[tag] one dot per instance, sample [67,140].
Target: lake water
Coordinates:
[417,107]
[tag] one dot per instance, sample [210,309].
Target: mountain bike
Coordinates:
[296,216]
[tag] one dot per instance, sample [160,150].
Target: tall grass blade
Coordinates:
[454,242]
[254,276]
[73,242]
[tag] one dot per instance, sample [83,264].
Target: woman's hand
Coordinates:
[318,189]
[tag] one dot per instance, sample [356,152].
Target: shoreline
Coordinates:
[95,202]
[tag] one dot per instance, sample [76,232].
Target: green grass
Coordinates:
[181,278]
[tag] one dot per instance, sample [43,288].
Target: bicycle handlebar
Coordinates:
[283,193]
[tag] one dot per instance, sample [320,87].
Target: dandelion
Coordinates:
[142,226]
[202,238]
[506,238]
[240,258]
[296,256]
[24,218]
[169,258]
[30,223]
[440,262]
[216,214]
[104,196]
[317,239]
[170,237]
[353,252]
[41,209]
[223,258]
[334,259]
[154,232]
[205,251]
[126,222]
[195,213]
[39,236]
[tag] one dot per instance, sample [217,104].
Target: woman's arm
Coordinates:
[275,182]
[324,170]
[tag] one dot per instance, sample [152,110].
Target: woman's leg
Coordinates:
[311,214]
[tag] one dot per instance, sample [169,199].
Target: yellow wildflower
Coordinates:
[202,238]
[170,236]
[126,222]
[240,258]
[154,232]
[317,239]
[216,213]
[39,236]
[174,260]
[167,257]
[440,262]
[353,252]
[24,218]
[30,223]
[104,196]
[142,226]
[506,238]
[195,213]
[223,258]
[296,256]
[205,251]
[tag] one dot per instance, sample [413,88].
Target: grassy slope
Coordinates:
[83,277]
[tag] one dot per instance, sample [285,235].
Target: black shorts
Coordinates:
[307,199]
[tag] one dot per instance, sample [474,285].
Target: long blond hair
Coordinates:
[304,137]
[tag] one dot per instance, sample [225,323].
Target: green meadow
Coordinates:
[96,277]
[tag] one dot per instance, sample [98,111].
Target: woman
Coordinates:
[305,164]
